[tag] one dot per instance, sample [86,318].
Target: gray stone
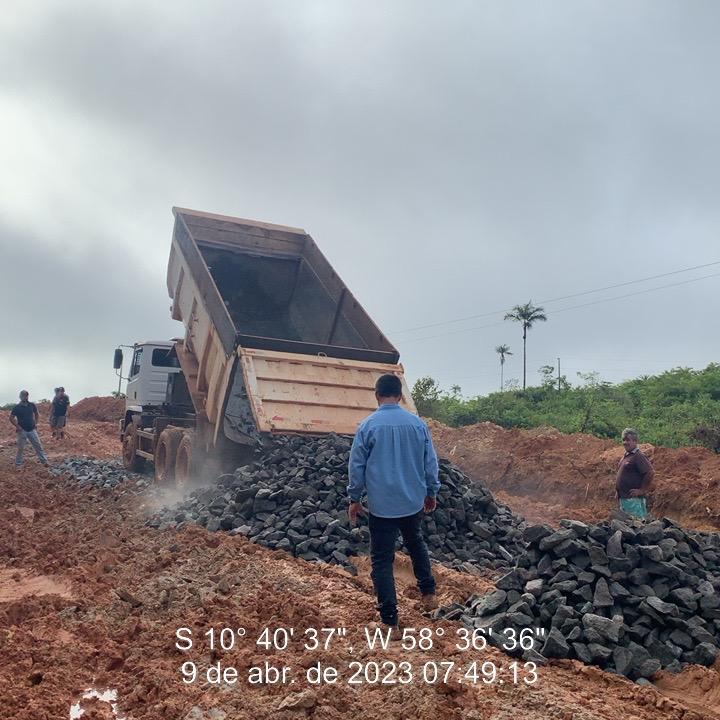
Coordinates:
[481,530]
[597,628]
[602,596]
[622,659]
[519,619]
[662,607]
[598,556]
[685,597]
[555,539]
[651,552]
[580,529]
[649,668]
[555,645]
[535,587]
[614,545]
[600,653]
[535,533]
[510,581]
[491,603]
[583,653]
[682,639]
[704,654]
[651,533]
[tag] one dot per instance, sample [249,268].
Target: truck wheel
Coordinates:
[186,462]
[131,460]
[165,454]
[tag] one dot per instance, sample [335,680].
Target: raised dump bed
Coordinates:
[274,340]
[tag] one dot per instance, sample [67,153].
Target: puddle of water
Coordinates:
[107,696]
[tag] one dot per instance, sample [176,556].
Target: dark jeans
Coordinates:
[383,535]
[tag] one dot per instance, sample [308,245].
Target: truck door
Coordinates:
[162,363]
[149,370]
[133,391]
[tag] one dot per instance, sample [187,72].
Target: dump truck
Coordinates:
[274,343]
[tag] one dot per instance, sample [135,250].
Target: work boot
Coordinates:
[429,602]
[395,632]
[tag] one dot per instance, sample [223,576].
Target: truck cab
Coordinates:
[152,365]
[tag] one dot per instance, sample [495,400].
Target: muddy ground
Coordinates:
[91,598]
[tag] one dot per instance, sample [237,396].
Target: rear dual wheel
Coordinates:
[186,462]
[166,454]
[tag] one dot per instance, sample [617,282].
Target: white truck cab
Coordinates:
[152,364]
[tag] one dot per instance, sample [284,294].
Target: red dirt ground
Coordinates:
[90,597]
[101,409]
[546,475]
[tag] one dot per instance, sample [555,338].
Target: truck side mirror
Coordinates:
[118,359]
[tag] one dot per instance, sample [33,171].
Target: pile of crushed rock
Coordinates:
[98,473]
[294,498]
[630,597]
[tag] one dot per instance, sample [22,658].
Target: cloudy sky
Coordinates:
[450,159]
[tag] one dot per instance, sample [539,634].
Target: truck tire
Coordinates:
[165,454]
[131,460]
[186,462]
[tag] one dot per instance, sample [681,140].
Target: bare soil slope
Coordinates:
[547,475]
[101,409]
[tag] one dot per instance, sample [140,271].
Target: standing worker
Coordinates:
[393,460]
[58,413]
[634,478]
[24,417]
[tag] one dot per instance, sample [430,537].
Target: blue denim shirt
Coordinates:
[393,460]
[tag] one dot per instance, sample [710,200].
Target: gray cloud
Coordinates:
[448,160]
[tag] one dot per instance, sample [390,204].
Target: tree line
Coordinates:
[675,408]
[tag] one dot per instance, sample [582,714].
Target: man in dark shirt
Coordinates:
[58,413]
[24,417]
[634,477]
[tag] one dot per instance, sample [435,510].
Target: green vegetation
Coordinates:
[678,407]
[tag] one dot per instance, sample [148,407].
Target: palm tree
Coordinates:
[502,350]
[527,315]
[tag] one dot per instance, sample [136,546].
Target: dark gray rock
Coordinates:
[651,533]
[614,545]
[491,603]
[555,645]
[662,607]
[597,629]
[556,538]
[534,587]
[602,597]
[582,652]
[623,660]
[535,533]
[704,654]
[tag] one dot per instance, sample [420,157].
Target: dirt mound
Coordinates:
[547,475]
[99,409]
[82,437]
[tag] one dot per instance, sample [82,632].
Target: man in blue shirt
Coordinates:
[393,461]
